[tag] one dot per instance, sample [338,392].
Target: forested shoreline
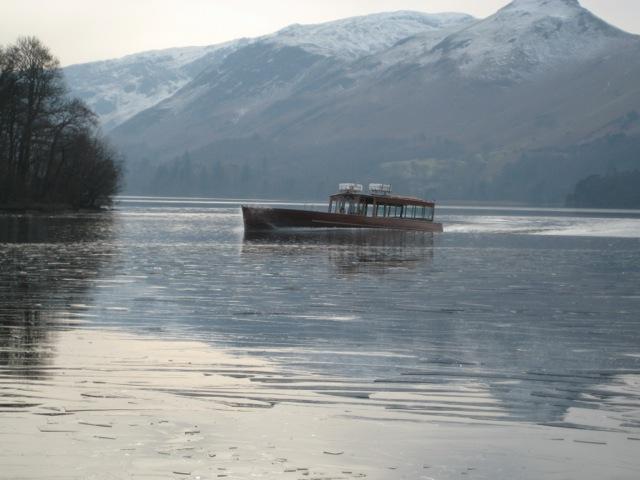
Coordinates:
[614,190]
[52,154]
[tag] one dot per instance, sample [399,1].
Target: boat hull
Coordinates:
[264,219]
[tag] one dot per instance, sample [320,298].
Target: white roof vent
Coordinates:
[379,189]
[350,188]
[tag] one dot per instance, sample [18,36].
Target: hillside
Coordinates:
[613,190]
[509,107]
[119,89]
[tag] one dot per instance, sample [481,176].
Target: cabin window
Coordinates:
[369,210]
[419,212]
[394,211]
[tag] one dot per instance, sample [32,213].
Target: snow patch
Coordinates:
[525,37]
[120,88]
[356,37]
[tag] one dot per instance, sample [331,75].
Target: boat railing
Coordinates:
[315,207]
[311,207]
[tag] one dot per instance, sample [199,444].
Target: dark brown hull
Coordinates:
[264,219]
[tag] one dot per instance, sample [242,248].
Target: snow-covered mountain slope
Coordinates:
[524,37]
[353,38]
[120,88]
[267,71]
[457,88]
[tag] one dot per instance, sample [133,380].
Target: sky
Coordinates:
[79,31]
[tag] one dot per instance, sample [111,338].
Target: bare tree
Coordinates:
[50,148]
[70,118]
[40,82]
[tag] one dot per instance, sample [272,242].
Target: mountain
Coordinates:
[526,37]
[505,80]
[119,89]
[518,106]
[353,38]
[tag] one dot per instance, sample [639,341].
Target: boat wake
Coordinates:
[550,226]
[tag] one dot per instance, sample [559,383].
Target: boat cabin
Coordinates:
[379,202]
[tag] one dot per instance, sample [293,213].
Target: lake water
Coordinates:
[510,317]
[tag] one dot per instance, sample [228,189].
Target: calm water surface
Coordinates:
[509,316]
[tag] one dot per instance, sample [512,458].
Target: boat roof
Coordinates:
[385,199]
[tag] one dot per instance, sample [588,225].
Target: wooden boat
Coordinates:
[350,208]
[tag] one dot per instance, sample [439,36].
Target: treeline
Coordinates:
[548,175]
[51,152]
[193,176]
[614,190]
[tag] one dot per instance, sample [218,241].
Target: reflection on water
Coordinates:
[68,228]
[469,326]
[47,264]
[351,251]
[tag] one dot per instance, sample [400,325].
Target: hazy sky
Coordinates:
[86,30]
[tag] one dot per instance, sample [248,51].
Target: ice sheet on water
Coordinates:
[539,225]
[534,326]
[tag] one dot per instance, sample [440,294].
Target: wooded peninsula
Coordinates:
[52,154]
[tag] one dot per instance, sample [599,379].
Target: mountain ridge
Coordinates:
[152,76]
[449,108]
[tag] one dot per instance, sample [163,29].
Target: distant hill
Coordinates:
[613,190]
[511,107]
